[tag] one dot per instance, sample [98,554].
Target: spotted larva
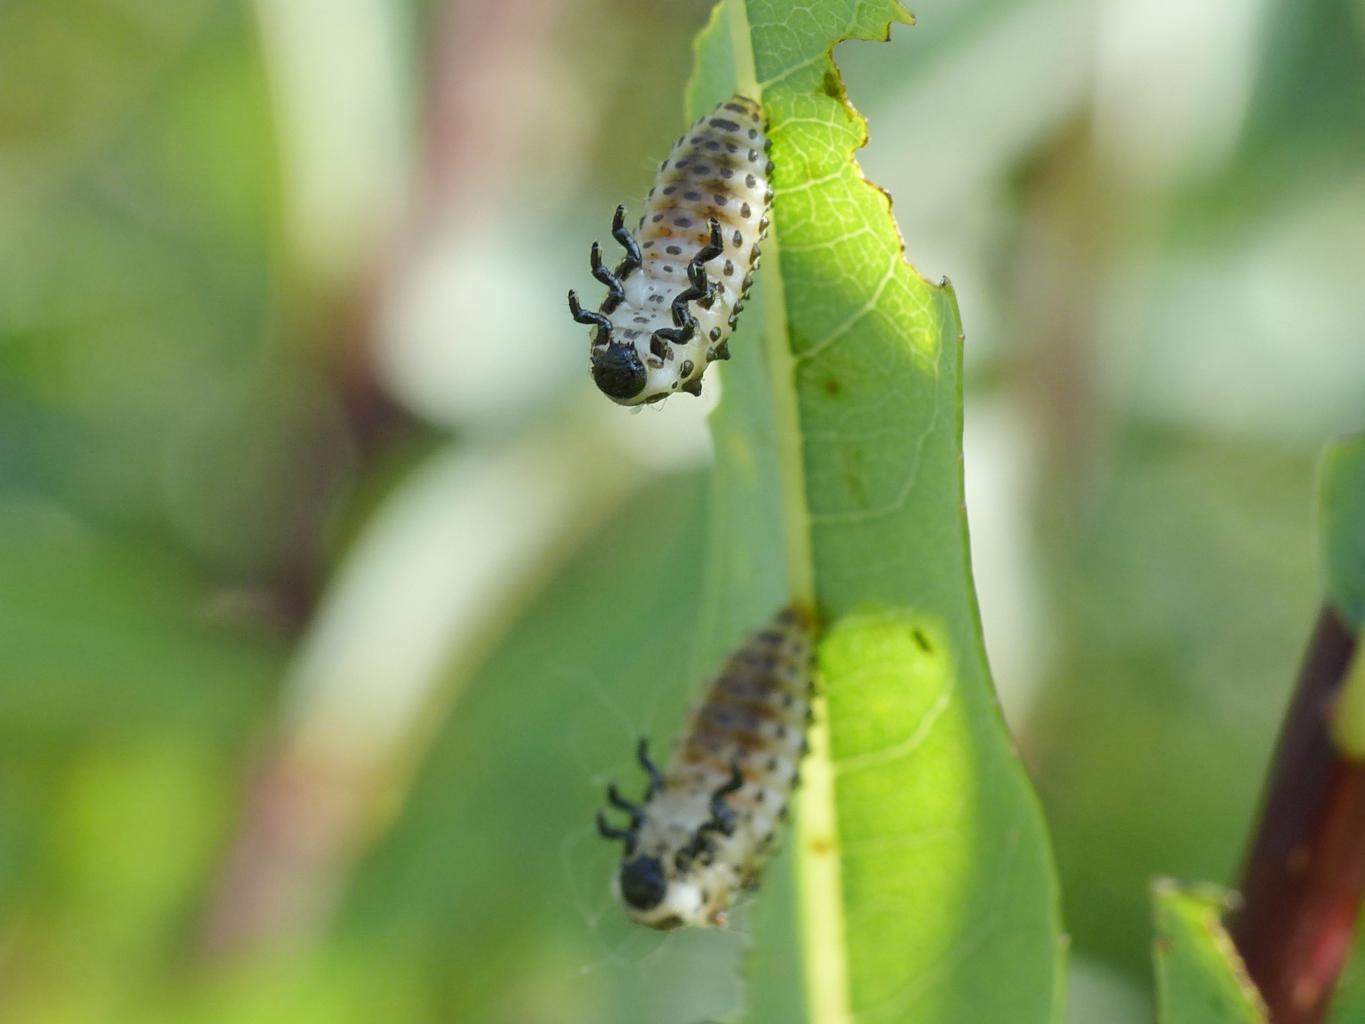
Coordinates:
[673,301]
[707,822]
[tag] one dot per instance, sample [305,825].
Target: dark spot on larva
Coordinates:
[728,269]
[724,125]
[753,156]
[727,172]
[648,245]
[753,133]
[719,199]
[663,166]
[670,189]
[686,368]
[750,181]
[735,107]
[673,250]
[715,335]
[730,147]
[755,253]
[922,641]
[746,211]
[737,239]
[832,386]
[763,224]
[640,319]
[656,298]
[668,269]
[712,144]
[696,139]
[692,197]
[701,169]
[683,222]
[768,167]
[767,145]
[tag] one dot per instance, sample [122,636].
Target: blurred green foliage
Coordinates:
[195,425]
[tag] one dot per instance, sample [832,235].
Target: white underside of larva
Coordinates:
[752,719]
[718,170]
[650,297]
[699,896]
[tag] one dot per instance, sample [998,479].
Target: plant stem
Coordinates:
[1305,872]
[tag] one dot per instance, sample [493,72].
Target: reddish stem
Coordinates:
[1305,871]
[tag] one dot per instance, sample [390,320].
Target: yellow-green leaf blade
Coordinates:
[1200,977]
[845,421]
[1342,503]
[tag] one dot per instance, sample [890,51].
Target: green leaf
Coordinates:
[1342,499]
[926,887]
[1200,977]
[1342,502]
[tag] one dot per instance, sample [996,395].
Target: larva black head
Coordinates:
[618,371]
[643,884]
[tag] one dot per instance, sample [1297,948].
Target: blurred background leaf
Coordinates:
[1152,215]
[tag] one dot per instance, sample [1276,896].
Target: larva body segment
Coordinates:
[708,821]
[674,299]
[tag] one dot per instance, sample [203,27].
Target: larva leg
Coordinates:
[701,288]
[678,335]
[628,243]
[615,798]
[587,316]
[609,831]
[721,813]
[656,778]
[705,827]
[615,293]
[714,247]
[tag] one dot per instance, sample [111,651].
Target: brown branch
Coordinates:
[1305,871]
